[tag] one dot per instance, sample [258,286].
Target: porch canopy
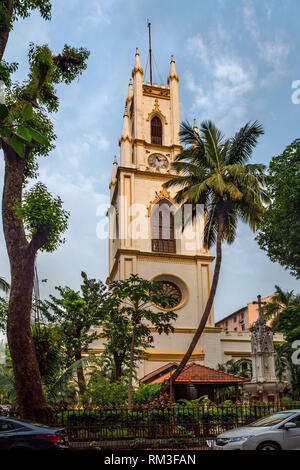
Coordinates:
[195,380]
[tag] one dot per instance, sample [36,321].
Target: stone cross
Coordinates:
[260,303]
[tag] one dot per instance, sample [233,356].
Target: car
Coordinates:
[279,431]
[17,434]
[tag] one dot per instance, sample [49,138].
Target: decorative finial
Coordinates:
[173,75]
[115,160]
[130,92]
[137,64]
[195,127]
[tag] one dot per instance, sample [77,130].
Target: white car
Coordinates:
[280,431]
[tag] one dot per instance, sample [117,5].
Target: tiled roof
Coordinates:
[158,372]
[199,374]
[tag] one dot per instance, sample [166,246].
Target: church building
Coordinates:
[144,236]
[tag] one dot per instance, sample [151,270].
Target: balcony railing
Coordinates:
[164,245]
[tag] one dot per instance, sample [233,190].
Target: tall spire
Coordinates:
[130,92]
[195,127]
[125,129]
[173,75]
[137,64]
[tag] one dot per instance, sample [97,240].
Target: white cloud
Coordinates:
[197,48]
[273,51]
[229,80]
[97,14]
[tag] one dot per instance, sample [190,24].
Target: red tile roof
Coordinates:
[197,374]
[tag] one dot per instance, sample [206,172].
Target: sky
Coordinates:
[236,61]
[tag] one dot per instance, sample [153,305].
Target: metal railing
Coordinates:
[176,425]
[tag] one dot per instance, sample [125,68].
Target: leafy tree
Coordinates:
[134,300]
[287,322]
[3,314]
[215,172]
[117,333]
[74,313]
[280,300]
[240,367]
[48,349]
[280,226]
[35,220]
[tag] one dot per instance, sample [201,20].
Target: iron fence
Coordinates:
[174,426]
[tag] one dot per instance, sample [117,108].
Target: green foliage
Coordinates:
[280,227]
[3,313]
[145,393]
[43,215]
[7,382]
[4,285]
[240,367]
[74,313]
[102,392]
[288,321]
[215,172]
[48,352]
[130,309]
[280,300]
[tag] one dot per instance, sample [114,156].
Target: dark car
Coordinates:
[17,434]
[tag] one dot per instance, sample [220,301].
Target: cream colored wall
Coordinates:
[191,266]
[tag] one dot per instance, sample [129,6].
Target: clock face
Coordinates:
[158,161]
[172,290]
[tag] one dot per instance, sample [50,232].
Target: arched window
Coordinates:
[156,131]
[162,226]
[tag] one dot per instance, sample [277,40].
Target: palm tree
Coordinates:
[280,300]
[214,171]
[4,286]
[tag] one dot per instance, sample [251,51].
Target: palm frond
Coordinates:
[4,285]
[243,143]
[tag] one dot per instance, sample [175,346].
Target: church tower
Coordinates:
[145,235]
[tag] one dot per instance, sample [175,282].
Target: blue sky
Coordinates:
[236,61]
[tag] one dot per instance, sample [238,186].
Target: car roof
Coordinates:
[28,423]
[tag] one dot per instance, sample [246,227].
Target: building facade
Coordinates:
[241,320]
[146,235]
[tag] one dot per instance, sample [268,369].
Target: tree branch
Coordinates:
[38,241]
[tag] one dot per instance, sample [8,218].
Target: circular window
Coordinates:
[175,287]
[172,290]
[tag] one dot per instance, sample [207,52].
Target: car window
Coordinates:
[296,420]
[5,426]
[271,420]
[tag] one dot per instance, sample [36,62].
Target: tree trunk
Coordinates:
[4,29]
[80,374]
[118,359]
[21,255]
[209,303]
[131,369]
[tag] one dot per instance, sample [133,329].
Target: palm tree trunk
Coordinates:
[209,303]
[131,369]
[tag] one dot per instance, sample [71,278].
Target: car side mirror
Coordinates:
[289,425]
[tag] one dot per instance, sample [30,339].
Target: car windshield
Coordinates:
[271,420]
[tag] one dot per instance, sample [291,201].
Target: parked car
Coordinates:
[280,431]
[17,434]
